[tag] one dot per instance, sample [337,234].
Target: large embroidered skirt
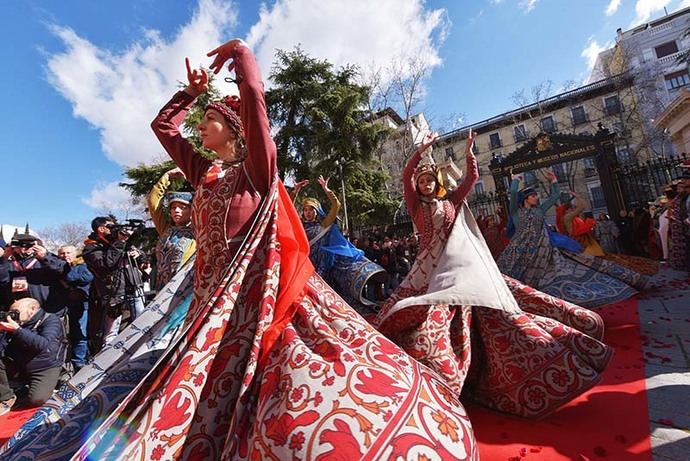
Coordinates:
[329,384]
[526,364]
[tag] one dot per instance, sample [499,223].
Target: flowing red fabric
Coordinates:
[610,422]
[582,226]
[295,268]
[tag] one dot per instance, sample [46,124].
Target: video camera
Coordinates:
[14,315]
[129,226]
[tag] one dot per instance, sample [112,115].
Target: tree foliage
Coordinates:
[142,178]
[322,126]
[322,122]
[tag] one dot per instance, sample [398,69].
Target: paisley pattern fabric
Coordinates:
[331,382]
[170,250]
[268,363]
[526,363]
[347,275]
[582,279]
[677,238]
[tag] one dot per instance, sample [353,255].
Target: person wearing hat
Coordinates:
[176,242]
[454,305]
[31,271]
[343,266]
[532,258]
[259,317]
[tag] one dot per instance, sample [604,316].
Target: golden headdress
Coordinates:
[429,167]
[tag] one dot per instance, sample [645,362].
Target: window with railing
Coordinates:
[666,49]
[579,115]
[677,80]
[612,105]
[450,154]
[479,188]
[494,140]
[520,133]
[548,124]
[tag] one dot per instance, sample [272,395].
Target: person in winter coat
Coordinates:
[76,283]
[32,351]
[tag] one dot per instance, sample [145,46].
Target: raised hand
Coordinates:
[176,173]
[469,144]
[324,183]
[550,175]
[223,53]
[197,80]
[299,185]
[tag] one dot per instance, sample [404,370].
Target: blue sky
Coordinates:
[81,79]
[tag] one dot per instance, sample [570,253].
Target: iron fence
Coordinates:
[487,204]
[643,182]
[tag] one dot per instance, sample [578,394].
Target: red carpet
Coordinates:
[608,423]
[10,422]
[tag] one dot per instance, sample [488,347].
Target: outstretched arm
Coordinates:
[167,123]
[154,202]
[409,187]
[296,189]
[555,191]
[260,164]
[513,204]
[471,173]
[334,203]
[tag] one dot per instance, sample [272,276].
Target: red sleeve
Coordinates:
[471,176]
[260,164]
[409,187]
[166,126]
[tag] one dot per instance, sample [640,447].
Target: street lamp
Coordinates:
[339,163]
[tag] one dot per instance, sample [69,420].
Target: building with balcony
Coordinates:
[610,102]
[654,53]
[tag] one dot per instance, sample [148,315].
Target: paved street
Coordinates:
[665,327]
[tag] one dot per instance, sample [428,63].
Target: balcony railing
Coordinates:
[670,59]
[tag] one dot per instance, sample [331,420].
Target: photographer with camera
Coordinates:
[117,287]
[28,270]
[32,351]
[76,284]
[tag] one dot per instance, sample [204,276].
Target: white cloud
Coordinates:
[346,32]
[644,9]
[112,198]
[528,5]
[684,4]
[613,7]
[592,50]
[119,92]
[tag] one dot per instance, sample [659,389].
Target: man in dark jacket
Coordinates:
[76,284]
[117,286]
[31,271]
[32,350]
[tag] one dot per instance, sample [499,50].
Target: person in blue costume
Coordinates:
[532,257]
[335,258]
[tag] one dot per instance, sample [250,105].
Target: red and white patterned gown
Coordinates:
[526,363]
[272,364]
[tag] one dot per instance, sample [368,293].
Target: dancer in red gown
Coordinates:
[271,363]
[456,313]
